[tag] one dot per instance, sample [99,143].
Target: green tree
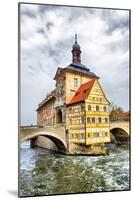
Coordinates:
[114,112]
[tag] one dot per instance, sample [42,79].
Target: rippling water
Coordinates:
[43,172]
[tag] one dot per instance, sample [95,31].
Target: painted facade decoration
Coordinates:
[78,102]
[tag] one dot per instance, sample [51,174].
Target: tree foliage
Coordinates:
[114,112]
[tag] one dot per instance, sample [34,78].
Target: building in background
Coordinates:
[125,116]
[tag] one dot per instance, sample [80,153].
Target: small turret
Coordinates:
[76,52]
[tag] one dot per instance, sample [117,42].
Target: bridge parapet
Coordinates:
[28,132]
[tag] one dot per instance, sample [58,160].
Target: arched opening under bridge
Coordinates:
[61,148]
[119,136]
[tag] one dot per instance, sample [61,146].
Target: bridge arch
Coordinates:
[121,124]
[119,135]
[59,142]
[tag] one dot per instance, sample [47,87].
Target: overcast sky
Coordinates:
[47,36]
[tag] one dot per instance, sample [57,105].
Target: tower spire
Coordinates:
[75,38]
[76,52]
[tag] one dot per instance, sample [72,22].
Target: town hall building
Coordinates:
[78,102]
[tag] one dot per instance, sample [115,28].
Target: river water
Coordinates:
[44,173]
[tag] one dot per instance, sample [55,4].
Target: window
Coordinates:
[82,108]
[106,134]
[82,136]
[93,120]
[89,107]
[96,135]
[70,109]
[70,121]
[105,109]
[99,120]
[97,108]
[82,120]
[77,136]
[75,82]
[106,120]
[88,119]
[88,134]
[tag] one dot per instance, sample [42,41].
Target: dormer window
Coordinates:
[84,91]
[76,93]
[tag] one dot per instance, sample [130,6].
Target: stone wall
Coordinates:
[87,149]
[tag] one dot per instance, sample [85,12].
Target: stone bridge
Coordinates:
[120,132]
[57,134]
[124,125]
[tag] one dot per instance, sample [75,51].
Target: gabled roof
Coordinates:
[82,92]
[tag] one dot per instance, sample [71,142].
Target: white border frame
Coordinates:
[9,96]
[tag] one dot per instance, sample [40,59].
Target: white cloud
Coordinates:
[47,35]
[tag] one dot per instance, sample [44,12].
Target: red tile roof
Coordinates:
[82,92]
[124,114]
